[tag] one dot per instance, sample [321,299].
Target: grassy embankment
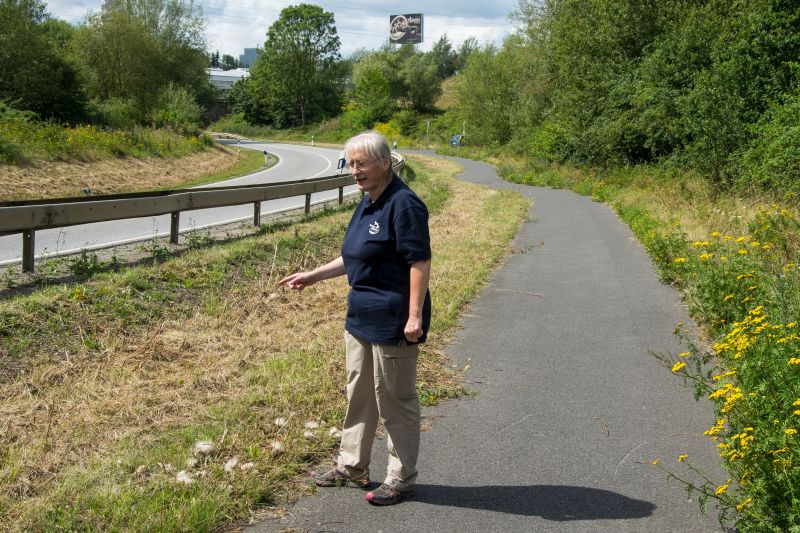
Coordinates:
[39,161]
[110,384]
[735,256]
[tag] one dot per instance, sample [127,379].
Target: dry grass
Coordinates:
[58,179]
[693,203]
[245,353]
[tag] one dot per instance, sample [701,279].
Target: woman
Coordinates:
[386,255]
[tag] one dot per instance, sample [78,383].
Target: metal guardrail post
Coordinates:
[308,203]
[28,242]
[175,222]
[341,195]
[256,214]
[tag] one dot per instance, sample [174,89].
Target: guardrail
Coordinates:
[28,217]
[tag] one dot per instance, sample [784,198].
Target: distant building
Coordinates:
[224,79]
[248,58]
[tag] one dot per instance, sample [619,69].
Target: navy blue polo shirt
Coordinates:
[382,240]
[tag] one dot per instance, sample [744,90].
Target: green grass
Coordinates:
[249,161]
[135,366]
[27,141]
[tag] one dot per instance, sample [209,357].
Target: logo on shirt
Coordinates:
[374,228]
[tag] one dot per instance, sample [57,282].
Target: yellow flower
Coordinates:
[740,239]
[682,458]
[794,361]
[727,237]
[724,375]
[744,504]
[722,489]
[678,366]
[680,259]
[683,354]
[706,257]
[796,412]
[655,462]
[715,234]
[742,252]
[791,431]
[728,298]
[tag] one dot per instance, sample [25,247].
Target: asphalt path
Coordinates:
[294,162]
[570,407]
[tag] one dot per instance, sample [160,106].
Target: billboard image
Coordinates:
[405,28]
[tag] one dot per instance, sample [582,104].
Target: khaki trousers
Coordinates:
[381,384]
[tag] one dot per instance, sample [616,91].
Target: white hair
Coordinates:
[370,142]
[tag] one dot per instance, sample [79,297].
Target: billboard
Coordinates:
[405,28]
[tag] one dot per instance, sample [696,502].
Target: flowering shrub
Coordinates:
[27,140]
[746,290]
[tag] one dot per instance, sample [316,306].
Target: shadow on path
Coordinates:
[551,502]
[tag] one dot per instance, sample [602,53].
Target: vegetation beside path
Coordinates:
[188,394]
[735,257]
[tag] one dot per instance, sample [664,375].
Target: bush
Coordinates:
[746,289]
[118,113]
[177,109]
[772,159]
[406,121]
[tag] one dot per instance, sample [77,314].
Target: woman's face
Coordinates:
[371,174]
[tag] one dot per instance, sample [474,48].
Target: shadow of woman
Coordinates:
[551,502]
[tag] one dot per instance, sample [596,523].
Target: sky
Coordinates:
[235,25]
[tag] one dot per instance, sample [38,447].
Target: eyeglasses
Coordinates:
[355,165]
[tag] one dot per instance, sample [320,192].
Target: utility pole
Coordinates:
[427,132]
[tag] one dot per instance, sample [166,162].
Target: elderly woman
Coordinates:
[386,255]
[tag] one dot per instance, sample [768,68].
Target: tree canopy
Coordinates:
[298,78]
[36,74]
[710,86]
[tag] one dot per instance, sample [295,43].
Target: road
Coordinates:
[570,407]
[295,162]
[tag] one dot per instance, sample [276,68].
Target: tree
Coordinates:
[469,45]
[36,74]
[371,97]
[228,62]
[444,57]
[297,78]
[213,60]
[133,49]
[420,75]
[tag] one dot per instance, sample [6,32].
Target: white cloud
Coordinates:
[233,26]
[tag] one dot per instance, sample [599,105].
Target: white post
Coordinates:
[427,132]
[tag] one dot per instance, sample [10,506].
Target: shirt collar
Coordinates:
[394,186]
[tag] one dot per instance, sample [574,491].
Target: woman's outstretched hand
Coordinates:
[298,280]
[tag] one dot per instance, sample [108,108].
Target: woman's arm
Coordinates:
[301,280]
[420,276]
